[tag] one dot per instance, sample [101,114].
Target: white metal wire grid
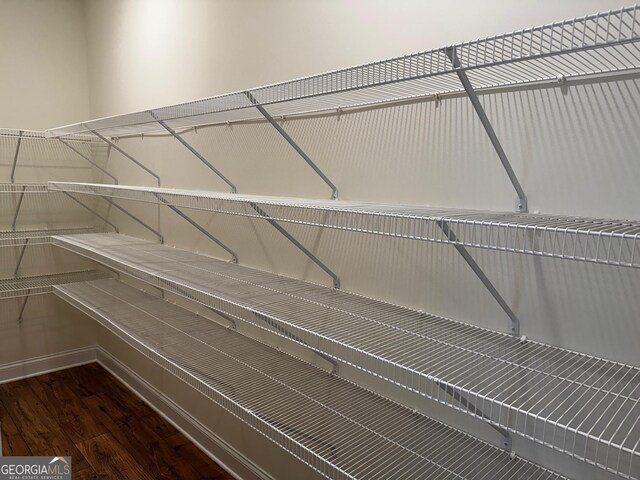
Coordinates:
[40,284]
[339,429]
[593,44]
[584,406]
[597,240]
[19,238]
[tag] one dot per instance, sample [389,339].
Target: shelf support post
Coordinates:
[68,145]
[132,216]
[296,147]
[22,250]
[15,158]
[514,322]
[196,153]
[91,210]
[234,256]
[116,147]
[462,75]
[292,239]
[24,305]
[15,215]
[507,442]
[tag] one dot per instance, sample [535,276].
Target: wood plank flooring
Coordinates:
[85,413]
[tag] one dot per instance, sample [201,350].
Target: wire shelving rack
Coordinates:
[584,406]
[593,44]
[42,284]
[339,429]
[598,240]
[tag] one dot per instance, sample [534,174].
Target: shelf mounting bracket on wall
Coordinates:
[15,215]
[15,157]
[24,305]
[19,262]
[521,203]
[292,239]
[88,160]
[514,322]
[132,216]
[195,152]
[116,147]
[91,210]
[234,256]
[296,147]
[507,440]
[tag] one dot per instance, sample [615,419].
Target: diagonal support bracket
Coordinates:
[521,204]
[196,153]
[88,160]
[291,142]
[15,215]
[91,210]
[292,239]
[116,147]
[15,158]
[24,305]
[234,256]
[507,441]
[514,322]
[132,216]
[19,262]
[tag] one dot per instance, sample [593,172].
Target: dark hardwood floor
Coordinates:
[85,413]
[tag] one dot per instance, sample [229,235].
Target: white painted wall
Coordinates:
[43,63]
[43,82]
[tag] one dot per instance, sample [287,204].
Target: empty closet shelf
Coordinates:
[20,238]
[40,284]
[23,188]
[341,430]
[584,406]
[594,44]
[604,241]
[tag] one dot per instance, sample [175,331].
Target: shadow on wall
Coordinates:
[573,148]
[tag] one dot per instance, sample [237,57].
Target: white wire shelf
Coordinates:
[40,135]
[40,284]
[597,240]
[594,44]
[23,187]
[586,407]
[341,430]
[19,238]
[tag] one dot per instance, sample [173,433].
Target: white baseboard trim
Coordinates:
[10,372]
[225,455]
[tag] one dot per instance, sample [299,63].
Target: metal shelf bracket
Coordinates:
[196,153]
[521,204]
[15,157]
[292,239]
[19,262]
[296,147]
[15,215]
[132,216]
[514,322]
[89,160]
[92,211]
[234,256]
[116,147]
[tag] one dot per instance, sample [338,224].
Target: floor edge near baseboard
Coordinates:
[227,456]
[234,462]
[11,372]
